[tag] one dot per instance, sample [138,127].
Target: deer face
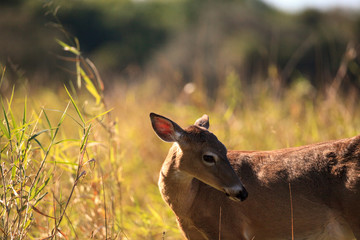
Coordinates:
[203,155]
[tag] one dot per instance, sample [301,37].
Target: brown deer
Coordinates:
[308,192]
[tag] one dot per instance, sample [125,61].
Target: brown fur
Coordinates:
[324,179]
[325,183]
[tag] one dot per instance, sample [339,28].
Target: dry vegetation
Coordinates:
[82,163]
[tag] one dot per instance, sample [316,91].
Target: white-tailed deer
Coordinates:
[323,179]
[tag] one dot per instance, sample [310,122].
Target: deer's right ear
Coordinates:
[166,129]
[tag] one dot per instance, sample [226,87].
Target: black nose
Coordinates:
[242,195]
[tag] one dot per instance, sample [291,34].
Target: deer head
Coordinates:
[202,156]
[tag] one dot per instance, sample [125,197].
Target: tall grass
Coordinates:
[82,163]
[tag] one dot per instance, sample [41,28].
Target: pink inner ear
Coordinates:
[164,126]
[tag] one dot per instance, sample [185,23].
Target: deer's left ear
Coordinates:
[203,122]
[166,129]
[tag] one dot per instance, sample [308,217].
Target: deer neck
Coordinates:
[178,188]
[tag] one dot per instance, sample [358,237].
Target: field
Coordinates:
[82,161]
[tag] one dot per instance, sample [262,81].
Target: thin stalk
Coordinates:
[104,196]
[79,174]
[43,162]
[6,216]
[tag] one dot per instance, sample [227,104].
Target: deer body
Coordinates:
[324,180]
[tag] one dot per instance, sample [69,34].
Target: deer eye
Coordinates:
[208,159]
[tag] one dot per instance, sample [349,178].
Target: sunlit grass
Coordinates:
[82,163]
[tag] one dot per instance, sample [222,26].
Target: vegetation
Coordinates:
[81,161]
[78,164]
[62,168]
[196,40]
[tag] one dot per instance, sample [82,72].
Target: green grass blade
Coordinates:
[67,140]
[24,124]
[27,224]
[90,86]
[25,109]
[58,126]
[10,112]
[97,116]
[11,97]
[68,48]
[78,68]
[49,123]
[39,199]
[4,131]
[75,106]
[9,102]
[75,120]
[42,186]
[2,75]
[86,136]
[4,148]
[78,72]
[33,189]
[37,134]
[75,51]
[37,141]
[7,131]
[72,87]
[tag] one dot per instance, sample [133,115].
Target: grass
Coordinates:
[82,163]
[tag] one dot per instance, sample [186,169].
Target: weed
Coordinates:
[90,169]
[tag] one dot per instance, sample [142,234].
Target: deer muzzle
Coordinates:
[236,193]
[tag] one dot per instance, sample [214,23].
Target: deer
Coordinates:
[306,192]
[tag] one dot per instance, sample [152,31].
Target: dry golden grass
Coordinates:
[72,170]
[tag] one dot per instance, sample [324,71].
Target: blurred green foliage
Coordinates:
[199,40]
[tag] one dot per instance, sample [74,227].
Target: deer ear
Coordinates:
[166,129]
[203,122]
